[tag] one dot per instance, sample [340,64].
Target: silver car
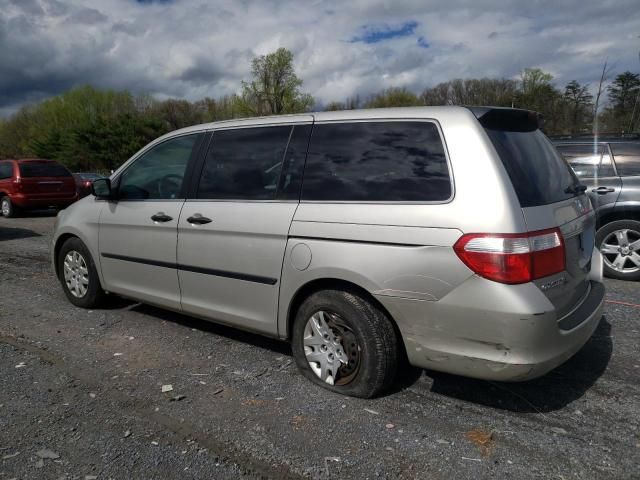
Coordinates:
[452,238]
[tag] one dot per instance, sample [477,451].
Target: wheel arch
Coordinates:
[56,249]
[318,284]
[628,213]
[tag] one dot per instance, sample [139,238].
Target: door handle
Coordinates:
[198,219]
[161,217]
[603,190]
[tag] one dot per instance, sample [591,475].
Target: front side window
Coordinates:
[244,163]
[588,161]
[401,161]
[627,158]
[6,170]
[158,174]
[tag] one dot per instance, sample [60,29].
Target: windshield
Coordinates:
[539,174]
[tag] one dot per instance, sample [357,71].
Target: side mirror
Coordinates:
[101,188]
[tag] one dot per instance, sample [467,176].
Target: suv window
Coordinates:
[158,173]
[627,158]
[588,161]
[377,161]
[6,170]
[539,174]
[244,163]
[42,169]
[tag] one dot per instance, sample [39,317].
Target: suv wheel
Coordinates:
[345,343]
[78,274]
[7,208]
[619,243]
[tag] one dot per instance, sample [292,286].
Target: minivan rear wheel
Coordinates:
[345,343]
[619,243]
[7,208]
[78,275]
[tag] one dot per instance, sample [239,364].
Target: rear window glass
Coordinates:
[539,174]
[43,169]
[627,158]
[376,161]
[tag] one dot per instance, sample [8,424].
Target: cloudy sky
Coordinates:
[194,48]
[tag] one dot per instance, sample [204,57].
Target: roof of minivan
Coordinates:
[369,113]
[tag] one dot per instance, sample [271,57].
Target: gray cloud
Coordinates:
[193,48]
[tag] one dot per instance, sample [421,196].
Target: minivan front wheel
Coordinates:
[619,243]
[78,275]
[345,343]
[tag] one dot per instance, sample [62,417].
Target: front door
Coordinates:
[232,235]
[138,232]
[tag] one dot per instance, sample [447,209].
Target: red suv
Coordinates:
[33,183]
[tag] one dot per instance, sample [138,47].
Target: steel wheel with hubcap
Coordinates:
[6,207]
[619,243]
[331,348]
[76,274]
[343,341]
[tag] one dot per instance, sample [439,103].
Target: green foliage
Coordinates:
[623,111]
[275,88]
[393,97]
[473,91]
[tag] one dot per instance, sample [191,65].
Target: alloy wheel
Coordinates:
[5,207]
[621,250]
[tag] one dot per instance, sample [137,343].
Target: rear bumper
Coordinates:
[42,201]
[494,332]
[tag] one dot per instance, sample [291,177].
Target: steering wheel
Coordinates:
[169,185]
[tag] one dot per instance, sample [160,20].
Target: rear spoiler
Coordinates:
[507,119]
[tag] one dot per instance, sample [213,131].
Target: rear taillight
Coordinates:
[513,257]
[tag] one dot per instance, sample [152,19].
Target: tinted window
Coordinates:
[158,173]
[627,158]
[588,161]
[376,161]
[6,170]
[244,163]
[539,174]
[291,178]
[43,169]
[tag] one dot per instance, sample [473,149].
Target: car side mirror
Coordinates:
[102,190]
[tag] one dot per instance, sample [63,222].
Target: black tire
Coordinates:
[604,232]
[379,351]
[11,211]
[94,295]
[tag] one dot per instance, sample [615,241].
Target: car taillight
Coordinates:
[513,258]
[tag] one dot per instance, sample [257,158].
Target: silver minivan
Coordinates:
[454,238]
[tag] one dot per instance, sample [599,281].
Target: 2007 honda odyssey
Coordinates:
[454,237]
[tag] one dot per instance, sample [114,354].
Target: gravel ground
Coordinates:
[80,397]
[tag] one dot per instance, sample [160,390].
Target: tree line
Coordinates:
[91,129]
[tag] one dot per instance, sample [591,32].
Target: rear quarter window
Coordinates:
[43,169]
[401,161]
[6,170]
[539,174]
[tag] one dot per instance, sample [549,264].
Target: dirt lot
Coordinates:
[80,397]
